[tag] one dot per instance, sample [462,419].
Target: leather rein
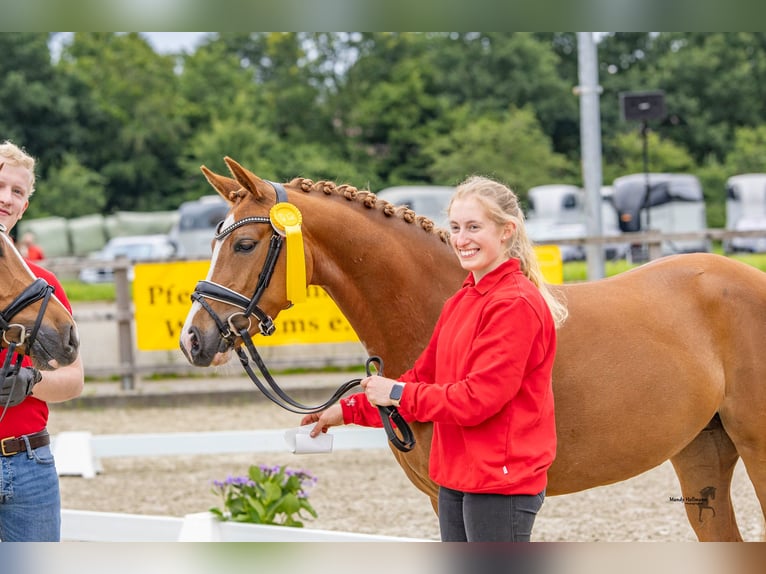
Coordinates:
[238,324]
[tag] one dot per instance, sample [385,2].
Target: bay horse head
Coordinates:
[258,267]
[32,320]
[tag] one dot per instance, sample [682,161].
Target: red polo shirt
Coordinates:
[484,380]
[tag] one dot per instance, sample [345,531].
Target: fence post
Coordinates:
[124,323]
[654,243]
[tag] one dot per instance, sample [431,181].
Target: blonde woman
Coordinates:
[484,380]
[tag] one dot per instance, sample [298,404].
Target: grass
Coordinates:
[578,270]
[77,291]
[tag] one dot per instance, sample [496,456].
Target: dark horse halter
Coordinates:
[39,289]
[229,331]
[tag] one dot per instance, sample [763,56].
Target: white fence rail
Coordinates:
[78,525]
[80,453]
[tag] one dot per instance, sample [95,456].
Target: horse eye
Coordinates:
[245,245]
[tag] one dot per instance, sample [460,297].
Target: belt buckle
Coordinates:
[2,445]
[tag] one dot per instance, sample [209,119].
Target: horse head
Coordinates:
[246,285]
[32,320]
[363,251]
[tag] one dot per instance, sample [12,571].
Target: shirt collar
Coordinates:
[494,277]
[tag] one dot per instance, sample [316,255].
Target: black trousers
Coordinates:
[469,517]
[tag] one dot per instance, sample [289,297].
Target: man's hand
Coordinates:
[16,388]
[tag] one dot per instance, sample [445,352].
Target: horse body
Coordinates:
[56,342]
[661,362]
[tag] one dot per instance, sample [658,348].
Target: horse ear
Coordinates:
[246,178]
[222,184]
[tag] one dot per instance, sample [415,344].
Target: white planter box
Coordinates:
[205,527]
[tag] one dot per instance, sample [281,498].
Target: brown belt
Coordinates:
[14,445]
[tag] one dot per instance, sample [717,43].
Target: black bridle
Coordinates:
[229,331]
[15,334]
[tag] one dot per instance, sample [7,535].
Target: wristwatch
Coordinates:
[396,393]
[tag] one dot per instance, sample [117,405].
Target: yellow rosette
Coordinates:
[286,219]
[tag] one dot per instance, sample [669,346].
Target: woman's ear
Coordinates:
[508,230]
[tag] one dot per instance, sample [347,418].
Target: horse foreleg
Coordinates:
[709,460]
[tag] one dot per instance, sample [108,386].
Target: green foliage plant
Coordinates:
[273,495]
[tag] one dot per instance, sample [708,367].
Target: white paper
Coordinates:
[300,442]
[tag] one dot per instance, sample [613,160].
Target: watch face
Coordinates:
[396,392]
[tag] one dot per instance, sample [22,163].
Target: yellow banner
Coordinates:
[551,263]
[162,298]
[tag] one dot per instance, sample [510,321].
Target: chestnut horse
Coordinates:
[665,361]
[32,320]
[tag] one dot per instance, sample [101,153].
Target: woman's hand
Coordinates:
[332,416]
[378,390]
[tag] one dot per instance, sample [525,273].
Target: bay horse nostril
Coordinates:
[71,340]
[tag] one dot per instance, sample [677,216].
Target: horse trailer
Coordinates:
[557,211]
[746,211]
[664,202]
[197,220]
[430,201]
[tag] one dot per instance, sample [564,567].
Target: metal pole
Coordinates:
[645,136]
[590,144]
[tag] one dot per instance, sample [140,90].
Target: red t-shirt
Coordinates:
[34,253]
[485,381]
[31,415]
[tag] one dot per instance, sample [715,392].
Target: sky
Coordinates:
[162,42]
[168,42]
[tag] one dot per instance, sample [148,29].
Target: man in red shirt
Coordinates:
[29,249]
[485,378]
[30,502]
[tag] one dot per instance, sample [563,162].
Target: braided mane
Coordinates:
[371,201]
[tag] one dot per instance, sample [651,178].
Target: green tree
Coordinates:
[664,156]
[70,190]
[748,154]
[39,107]
[492,70]
[136,90]
[713,84]
[510,147]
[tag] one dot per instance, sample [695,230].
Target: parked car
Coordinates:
[430,201]
[135,247]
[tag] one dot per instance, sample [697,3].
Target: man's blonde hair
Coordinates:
[13,155]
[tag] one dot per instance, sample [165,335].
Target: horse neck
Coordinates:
[390,278]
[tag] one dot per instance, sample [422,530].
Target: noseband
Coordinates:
[39,289]
[15,334]
[229,332]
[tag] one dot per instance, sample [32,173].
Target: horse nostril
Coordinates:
[71,340]
[193,341]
